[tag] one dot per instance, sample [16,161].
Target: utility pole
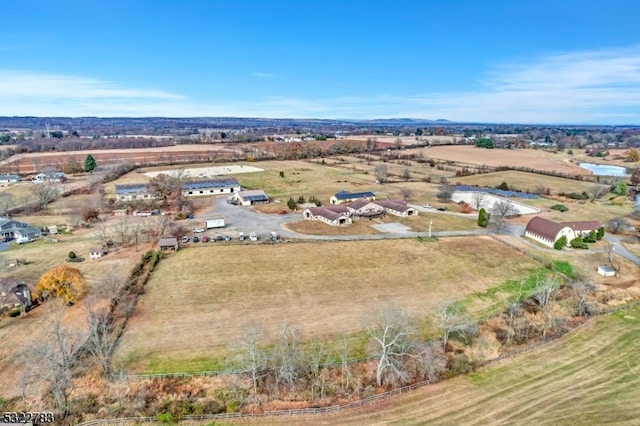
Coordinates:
[430,223]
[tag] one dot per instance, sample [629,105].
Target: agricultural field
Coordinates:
[588,377]
[199,299]
[536,159]
[527,182]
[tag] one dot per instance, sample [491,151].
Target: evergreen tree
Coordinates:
[89,163]
[483,220]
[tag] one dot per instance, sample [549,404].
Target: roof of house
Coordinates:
[12,291]
[132,188]
[337,208]
[359,203]
[253,195]
[549,229]
[166,242]
[18,224]
[344,195]
[325,212]
[586,225]
[211,183]
[96,250]
[28,230]
[397,205]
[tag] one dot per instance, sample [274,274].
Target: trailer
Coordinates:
[214,223]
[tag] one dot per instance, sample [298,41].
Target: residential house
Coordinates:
[362,207]
[53,177]
[168,243]
[96,253]
[250,198]
[134,191]
[397,207]
[335,215]
[30,232]
[210,187]
[344,197]
[7,179]
[547,232]
[8,227]
[15,293]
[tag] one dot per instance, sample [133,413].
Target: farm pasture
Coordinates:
[199,299]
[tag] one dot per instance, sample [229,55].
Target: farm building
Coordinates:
[606,271]
[210,187]
[50,177]
[6,179]
[364,208]
[337,215]
[134,191]
[343,197]
[96,253]
[168,243]
[397,208]
[249,198]
[14,293]
[120,212]
[548,232]
[8,227]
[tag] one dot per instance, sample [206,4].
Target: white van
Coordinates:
[253,236]
[241,236]
[24,240]
[274,236]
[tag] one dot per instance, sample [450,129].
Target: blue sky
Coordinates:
[537,61]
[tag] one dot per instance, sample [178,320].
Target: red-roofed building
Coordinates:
[548,232]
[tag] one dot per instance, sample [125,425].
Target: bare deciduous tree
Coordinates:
[121,231]
[445,192]
[287,357]
[406,193]
[44,193]
[109,285]
[617,225]
[7,203]
[316,356]
[381,173]
[500,211]
[596,191]
[478,198]
[451,320]
[252,357]
[51,359]
[581,290]
[391,331]
[100,339]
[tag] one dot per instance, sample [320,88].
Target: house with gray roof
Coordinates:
[8,227]
[250,198]
[15,293]
[201,188]
[362,207]
[134,191]
[7,179]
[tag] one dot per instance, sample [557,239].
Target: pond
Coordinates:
[604,170]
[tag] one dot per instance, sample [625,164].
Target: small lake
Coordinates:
[603,170]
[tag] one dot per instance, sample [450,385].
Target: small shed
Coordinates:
[96,253]
[606,271]
[168,243]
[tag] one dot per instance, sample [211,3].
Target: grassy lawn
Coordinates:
[588,377]
[200,298]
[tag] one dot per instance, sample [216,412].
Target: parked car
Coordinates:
[196,239]
[274,236]
[185,239]
[198,230]
[227,237]
[427,206]
[253,236]
[205,238]
[219,237]
[241,236]
[283,211]
[442,209]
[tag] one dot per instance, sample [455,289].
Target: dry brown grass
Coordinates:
[200,298]
[527,181]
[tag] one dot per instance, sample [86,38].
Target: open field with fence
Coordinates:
[199,299]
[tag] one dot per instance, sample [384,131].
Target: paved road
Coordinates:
[620,250]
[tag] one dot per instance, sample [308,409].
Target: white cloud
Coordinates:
[600,86]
